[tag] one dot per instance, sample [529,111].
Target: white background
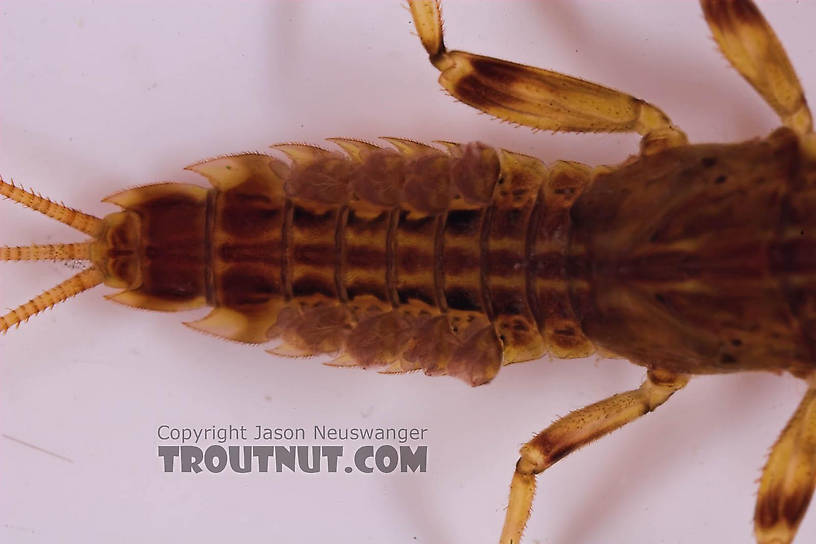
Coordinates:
[99,96]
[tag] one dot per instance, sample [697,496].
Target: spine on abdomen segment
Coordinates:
[452,262]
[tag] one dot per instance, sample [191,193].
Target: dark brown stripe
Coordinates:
[548,266]
[286,246]
[262,252]
[246,216]
[366,258]
[247,286]
[507,223]
[367,225]
[209,255]
[460,261]
[318,255]
[364,287]
[407,293]
[463,223]
[413,260]
[795,256]
[459,298]
[340,254]
[391,257]
[484,261]
[798,258]
[530,275]
[309,220]
[508,301]
[747,261]
[504,262]
[419,226]
[439,263]
[308,285]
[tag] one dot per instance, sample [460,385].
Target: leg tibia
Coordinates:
[428,22]
[787,482]
[750,45]
[575,430]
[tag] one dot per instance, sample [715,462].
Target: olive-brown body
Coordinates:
[452,262]
[701,259]
[685,259]
[695,259]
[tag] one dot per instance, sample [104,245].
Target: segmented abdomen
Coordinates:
[452,262]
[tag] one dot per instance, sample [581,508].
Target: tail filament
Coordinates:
[75,219]
[51,252]
[83,281]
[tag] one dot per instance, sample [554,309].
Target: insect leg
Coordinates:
[575,430]
[538,98]
[787,482]
[750,45]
